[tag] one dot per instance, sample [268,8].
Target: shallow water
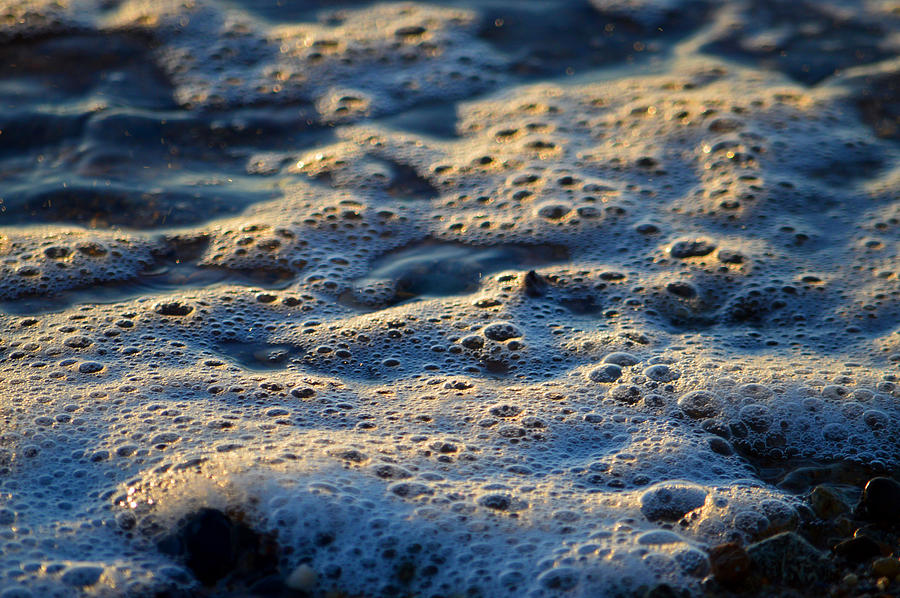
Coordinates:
[496,298]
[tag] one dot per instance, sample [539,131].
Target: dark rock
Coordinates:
[858,550]
[730,257]
[173,308]
[880,501]
[685,290]
[827,503]
[534,284]
[788,558]
[730,563]
[303,392]
[213,546]
[664,590]
[692,248]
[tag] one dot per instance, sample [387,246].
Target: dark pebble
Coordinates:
[685,290]
[534,284]
[730,563]
[664,590]
[173,308]
[827,503]
[858,550]
[213,546]
[880,501]
[692,248]
[730,257]
[789,559]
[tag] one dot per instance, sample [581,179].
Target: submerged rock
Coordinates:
[214,546]
[788,558]
[880,501]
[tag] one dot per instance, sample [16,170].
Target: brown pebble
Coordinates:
[827,503]
[730,563]
[886,567]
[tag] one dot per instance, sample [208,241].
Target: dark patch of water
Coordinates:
[98,205]
[808,48]
[177,271]
[436,120]
[257,356]
[110,69]
[435,269]
[540,37]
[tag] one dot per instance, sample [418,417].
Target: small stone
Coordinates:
[207,540]
[213,546]
[727,256]
[662,590]
[692,248]
[880,500]
[826,503]
[730,563]
[858,550]
[173,308]
[90,367]
[886,567]
[303,578]
[534,284]
[303,392]
[681,289]
[605,374]
[647,228]
[790,559]
[410,31]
